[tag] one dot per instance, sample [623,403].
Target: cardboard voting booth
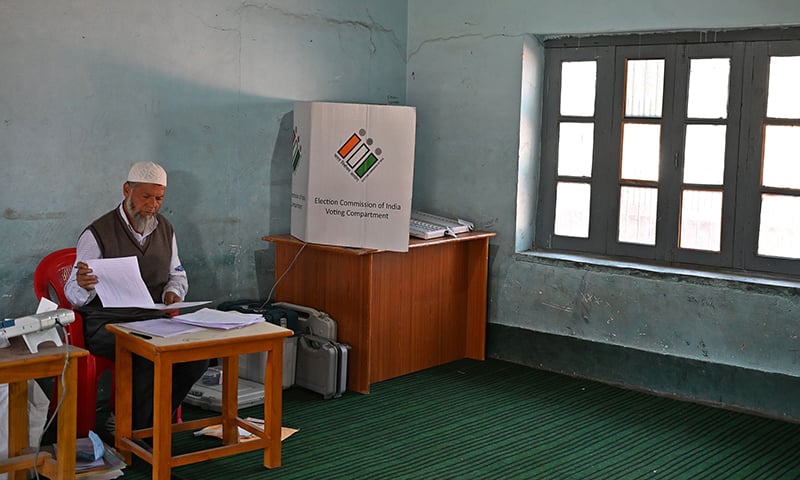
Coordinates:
[353,167]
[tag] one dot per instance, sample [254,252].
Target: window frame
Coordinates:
[751,165]
[749,51]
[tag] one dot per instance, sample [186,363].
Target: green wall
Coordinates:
[473,71]
[207,89]
[204,87]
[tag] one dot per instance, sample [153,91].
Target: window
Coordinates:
[674,148]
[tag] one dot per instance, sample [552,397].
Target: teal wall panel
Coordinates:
[472,69]
[206,88]
[701,381]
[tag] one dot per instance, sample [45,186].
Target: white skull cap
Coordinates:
[147,172]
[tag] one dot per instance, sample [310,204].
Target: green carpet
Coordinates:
[496,420]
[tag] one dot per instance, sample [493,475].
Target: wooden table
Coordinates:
[204,344]
[400,312]
[17,366]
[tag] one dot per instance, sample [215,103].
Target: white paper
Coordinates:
[46,305]
[160,327]
[211,318]
[119,282]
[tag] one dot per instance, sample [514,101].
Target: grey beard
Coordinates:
[140,222]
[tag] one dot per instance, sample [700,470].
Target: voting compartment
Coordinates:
[353,167]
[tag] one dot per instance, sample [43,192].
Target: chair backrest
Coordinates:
[52,273]
[48,281]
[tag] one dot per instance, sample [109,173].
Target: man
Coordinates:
[134,228]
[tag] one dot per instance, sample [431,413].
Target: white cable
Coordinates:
[296,256]
[58,406]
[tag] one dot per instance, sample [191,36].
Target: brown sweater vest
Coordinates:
[115,240]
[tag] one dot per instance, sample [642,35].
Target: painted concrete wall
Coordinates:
[466,77]
[204,87]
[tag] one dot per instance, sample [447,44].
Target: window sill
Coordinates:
[705,276]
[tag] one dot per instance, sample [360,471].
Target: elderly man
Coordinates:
[134,228]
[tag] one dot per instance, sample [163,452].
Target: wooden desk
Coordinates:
[204,344]
[400,312]
[17,366]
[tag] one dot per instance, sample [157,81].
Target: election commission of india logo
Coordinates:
[359,156]
[296,149]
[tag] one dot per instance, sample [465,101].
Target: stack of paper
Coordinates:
[95,460]
[161,327]
[210,318]
[108,467]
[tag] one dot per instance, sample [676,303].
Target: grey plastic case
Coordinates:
[209,397]
[321,366]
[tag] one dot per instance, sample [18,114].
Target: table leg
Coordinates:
[273,404]
[230,399]
[162,419]
[17,422]
[478,273]
[123,399]
[67,429]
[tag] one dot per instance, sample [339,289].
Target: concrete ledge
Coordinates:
[752,391]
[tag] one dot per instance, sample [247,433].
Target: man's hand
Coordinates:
[171,297]
[84,277]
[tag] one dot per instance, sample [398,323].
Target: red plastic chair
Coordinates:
[48,280]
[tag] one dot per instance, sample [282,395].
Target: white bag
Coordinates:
[38,404]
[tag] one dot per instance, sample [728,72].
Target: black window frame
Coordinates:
[749,51]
